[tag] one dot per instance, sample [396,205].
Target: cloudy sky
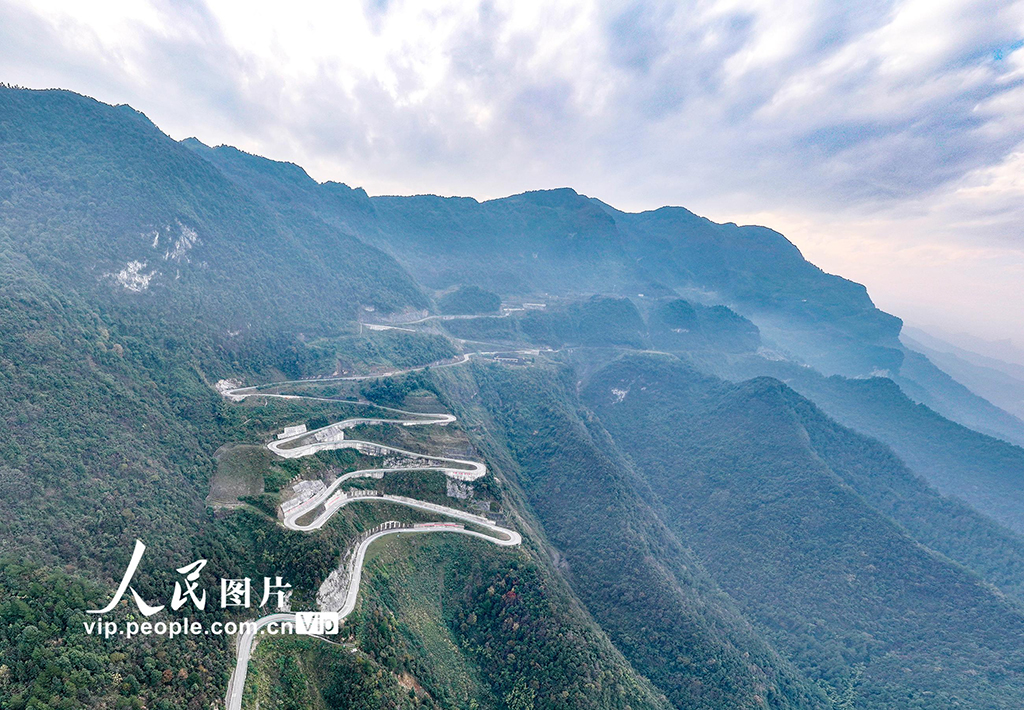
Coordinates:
[886,139]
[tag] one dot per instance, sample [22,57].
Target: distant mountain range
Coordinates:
[558,242]
[1002,383]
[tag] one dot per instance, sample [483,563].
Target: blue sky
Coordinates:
[886,139]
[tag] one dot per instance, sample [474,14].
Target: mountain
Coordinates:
[925,383]
[635,577]
[114,432]
[998,353]
[804,541]
[97,199]
[984,471]
[1001,383]
[735,486]
[560,242]
[557,243]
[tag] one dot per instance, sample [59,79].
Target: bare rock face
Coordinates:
[458,489]
[332,593]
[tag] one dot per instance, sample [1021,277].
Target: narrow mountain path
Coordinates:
[324,504]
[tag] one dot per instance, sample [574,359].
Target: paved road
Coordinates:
[332,499]
[467,316]
[248,637]
[239,393]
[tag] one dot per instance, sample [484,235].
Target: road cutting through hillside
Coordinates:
[441,317]
[237,394]
[324,504]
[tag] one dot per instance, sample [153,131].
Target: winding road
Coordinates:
[441,317]
[323,505]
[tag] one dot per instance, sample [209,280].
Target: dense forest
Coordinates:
[638,582]
[802,538]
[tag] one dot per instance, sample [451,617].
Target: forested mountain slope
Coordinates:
[986,472]
[925,383]
[637,579]
[791,515]
[1002,383]
[97,199]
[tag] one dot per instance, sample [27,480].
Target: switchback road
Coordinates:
[322,506]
